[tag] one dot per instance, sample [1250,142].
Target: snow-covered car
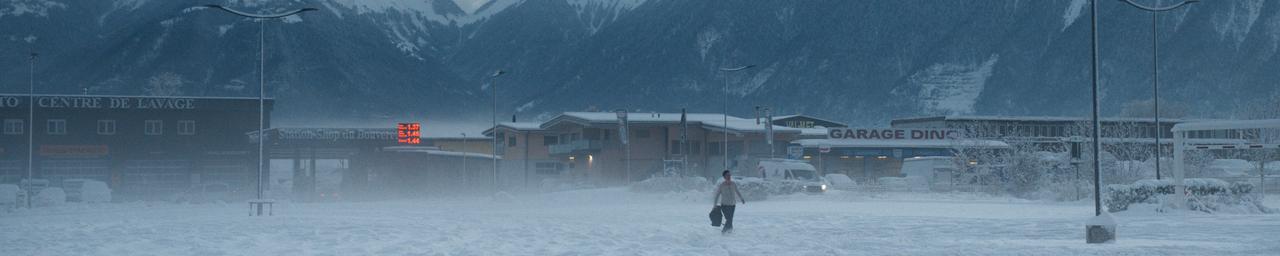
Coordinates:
[840,181]
[50,196]
[208,193]
[86,190]
[793,170]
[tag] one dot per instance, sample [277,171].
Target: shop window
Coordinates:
[106,127]
[56,127]
[13,126]
[153,127]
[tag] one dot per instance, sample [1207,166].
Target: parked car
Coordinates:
[793,170]
[208,193]
[86,190]
[840,181]
[51,196]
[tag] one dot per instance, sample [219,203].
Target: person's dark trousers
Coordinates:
[727,210]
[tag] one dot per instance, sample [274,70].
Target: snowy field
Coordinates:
[617,222]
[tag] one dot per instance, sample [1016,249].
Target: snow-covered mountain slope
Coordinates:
[858,61]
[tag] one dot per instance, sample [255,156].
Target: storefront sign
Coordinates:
[9,102]
[795,152]
[79,102]
[409,133]
[73,150]
[891,134]
[798,124]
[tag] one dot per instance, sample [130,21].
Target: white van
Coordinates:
[795,170]
[923,173]
[86,190]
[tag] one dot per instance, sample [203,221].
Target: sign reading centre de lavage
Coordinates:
[89,102]
[891,134]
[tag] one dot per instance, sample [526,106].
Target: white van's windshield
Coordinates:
[803,174]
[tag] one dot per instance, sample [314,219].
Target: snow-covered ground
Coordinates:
[617,222]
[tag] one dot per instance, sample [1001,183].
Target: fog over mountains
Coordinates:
[858,61]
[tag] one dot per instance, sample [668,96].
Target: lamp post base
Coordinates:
[1100,229]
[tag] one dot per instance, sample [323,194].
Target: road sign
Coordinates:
[824,149]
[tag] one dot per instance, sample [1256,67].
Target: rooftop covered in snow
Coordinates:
[716,122]
[1036,119]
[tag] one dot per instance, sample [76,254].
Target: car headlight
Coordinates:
[824,187]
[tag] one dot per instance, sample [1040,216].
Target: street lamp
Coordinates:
[1155,67]
[493,84]
[725,143]
[31,126]
[262,80]
[625,136]
[465,180]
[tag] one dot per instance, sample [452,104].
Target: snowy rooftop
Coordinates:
[846,143]
[1037,119]
[522,125]
[706,120]
[1224,125]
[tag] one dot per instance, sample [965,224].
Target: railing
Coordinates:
[575,146]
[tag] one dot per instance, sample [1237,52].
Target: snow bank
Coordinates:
[665,184]
[8,194]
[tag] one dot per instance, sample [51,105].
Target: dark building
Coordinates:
[142,147]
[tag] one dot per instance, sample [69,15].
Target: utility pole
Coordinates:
[31,127]
[494,84]
[1155,67]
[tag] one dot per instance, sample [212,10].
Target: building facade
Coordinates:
[585,146]
[142,147]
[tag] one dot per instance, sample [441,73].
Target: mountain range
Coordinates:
[863,62]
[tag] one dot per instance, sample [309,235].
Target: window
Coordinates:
[154,127]
[550,140]
[548,168]
[693,146]
[642,133]
[56,126]
[511,141]
[13,126]
[106,127]
[186,127]
[713,148]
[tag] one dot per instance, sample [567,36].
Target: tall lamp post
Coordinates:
[1099,229]
[493,84]
[31,126]
[465,173]
[262,80]
[725,143]
[1155,67]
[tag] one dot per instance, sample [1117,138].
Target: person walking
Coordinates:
[727,196]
